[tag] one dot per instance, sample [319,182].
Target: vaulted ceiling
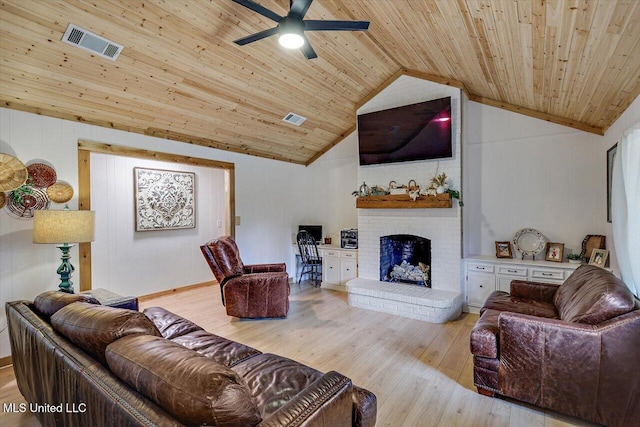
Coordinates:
[181,77]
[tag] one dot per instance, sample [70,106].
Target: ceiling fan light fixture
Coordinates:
[291,31]
[291,40]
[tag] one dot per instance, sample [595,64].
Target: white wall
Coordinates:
[522,172]
[117,242]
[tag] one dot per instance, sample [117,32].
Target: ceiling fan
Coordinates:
[292,27]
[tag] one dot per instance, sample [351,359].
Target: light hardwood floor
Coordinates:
[420,372]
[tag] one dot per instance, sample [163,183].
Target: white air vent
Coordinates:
[294,119]
[86,40]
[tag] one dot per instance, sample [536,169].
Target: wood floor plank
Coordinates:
[421,373]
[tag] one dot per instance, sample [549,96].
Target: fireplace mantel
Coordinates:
[403,202]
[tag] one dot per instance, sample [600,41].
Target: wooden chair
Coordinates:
[311,260]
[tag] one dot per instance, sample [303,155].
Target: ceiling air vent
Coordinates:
[86,40]
[294,119]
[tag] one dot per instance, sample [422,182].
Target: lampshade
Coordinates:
[63,226]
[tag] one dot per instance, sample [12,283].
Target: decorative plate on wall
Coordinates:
[28,203]
[529,241]
[41,175]
[60,192]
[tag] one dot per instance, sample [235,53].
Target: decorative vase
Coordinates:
[440,189]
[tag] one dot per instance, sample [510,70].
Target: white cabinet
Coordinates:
[338,267]
[485,274]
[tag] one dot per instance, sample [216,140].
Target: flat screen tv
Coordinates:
[314,230]
[412,132]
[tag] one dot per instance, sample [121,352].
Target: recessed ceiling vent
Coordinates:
[86,40]
[294,119]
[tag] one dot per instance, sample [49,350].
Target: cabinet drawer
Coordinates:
[512,271]
[352,255]
[537,273]
[485,268]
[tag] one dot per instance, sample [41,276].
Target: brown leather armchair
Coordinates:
[248,291]
[573,348]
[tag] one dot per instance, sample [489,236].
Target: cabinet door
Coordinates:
[348,270]
[503,283]
[479,286]
[331,269]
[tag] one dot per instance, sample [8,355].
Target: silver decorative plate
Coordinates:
[529,241]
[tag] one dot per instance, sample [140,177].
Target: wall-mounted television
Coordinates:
[412,132]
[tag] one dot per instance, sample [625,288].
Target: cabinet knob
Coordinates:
[480,285]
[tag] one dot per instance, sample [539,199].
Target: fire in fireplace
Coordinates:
[405,258]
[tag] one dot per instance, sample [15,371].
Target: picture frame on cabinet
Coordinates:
[503,250]
[554,252]
[599,257]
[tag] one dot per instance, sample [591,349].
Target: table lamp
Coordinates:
[62,227]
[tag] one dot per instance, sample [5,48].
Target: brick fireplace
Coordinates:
[443,227]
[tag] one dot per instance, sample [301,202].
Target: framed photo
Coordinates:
[611,156]
[554,252]
[503,250]
[599,257]
[164,200]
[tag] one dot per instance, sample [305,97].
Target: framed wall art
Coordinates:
[164,199]
[611,156]
[555,252]
[503,250]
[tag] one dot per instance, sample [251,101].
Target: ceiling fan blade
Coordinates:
[257,36]
[307,50]
[299,8]
[259,9]
[313,25]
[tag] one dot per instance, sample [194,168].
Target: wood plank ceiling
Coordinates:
[181,77]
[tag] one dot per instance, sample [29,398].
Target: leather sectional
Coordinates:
[126,368]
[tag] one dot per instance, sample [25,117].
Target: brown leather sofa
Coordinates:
[573,348]
[248,291]
[91,365]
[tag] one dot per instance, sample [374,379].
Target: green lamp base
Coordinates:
[65,270]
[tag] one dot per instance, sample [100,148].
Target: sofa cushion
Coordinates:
[169,324]
[47,303]
[502,301]
[592,295]
[94,327]
[274,380]
[219,349]
[193,388]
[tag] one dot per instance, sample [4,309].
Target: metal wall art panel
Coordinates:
[164,200]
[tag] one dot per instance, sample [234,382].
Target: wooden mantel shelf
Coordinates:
[403,202]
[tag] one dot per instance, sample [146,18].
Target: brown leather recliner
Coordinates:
[248,291]
[573,348]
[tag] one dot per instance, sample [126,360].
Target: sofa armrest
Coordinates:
[538,291]
[578,369]
[265,268]
[327,401]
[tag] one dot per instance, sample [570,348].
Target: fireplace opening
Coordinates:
[405,258]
